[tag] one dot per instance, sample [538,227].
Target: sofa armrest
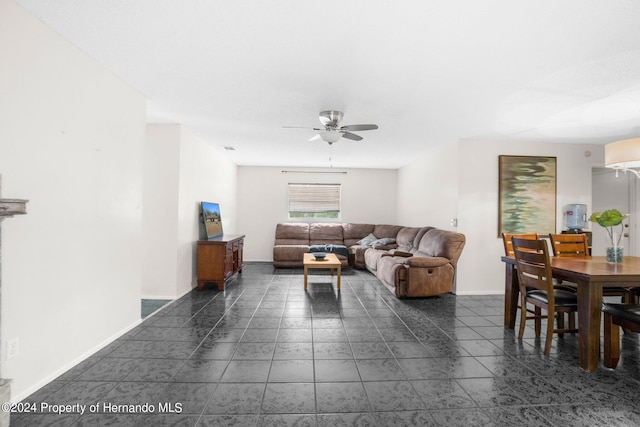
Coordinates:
[427,262]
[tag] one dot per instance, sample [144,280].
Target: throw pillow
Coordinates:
[383,241]
[368,240]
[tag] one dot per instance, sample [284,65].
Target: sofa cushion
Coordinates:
[325,233]
[290,253]
[421,233]
[292,234]
[408,238]
[372,257]
[354,232]
[357,255]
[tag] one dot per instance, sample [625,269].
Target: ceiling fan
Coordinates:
[332,130]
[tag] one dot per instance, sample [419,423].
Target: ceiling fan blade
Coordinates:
[315,138]
[352,136]
[359,127]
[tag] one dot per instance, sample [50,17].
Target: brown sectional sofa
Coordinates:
[410,261]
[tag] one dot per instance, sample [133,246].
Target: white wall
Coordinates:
[206,174]
[181,171]
[160,220]
[368,196]
[428,190]
[480,269]
[71,141]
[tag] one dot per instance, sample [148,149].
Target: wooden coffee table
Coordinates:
[331,262]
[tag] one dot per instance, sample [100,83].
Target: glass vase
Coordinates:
[614,254]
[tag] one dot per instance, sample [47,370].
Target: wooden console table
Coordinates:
[219,259]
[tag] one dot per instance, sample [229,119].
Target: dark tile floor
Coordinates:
[148,306]
[267,353]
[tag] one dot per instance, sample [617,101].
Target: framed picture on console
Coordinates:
[527,195]
[212,219]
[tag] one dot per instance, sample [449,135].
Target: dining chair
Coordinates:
[577,245]
[537,288]
[508,245]
[626,316]
[572,245]
[508,250]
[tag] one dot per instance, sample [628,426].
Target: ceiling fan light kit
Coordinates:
[329,136]
[623,155]
[332,131]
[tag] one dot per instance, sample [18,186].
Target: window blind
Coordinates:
[314,198]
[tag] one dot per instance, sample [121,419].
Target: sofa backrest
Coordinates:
[292,234]
[352,233]
[325,234]
[408,238]
[384,230]
[442,243]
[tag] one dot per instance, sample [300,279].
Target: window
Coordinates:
[314,201]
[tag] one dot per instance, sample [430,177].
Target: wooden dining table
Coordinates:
[590,274]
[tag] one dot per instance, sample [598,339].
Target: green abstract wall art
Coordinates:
[527,195]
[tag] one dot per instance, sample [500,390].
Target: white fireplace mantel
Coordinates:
[11,207]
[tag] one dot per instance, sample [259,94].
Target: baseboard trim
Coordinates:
[164,297]
[487,292]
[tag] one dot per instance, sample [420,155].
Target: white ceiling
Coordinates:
[427,72]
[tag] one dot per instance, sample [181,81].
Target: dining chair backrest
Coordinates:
[508,246]
[569,245]
[533,265]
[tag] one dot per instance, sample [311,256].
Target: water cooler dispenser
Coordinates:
[575,216]
[575,220]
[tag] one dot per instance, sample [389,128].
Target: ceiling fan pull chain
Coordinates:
[330,155]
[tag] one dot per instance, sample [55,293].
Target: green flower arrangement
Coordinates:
[608,220]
